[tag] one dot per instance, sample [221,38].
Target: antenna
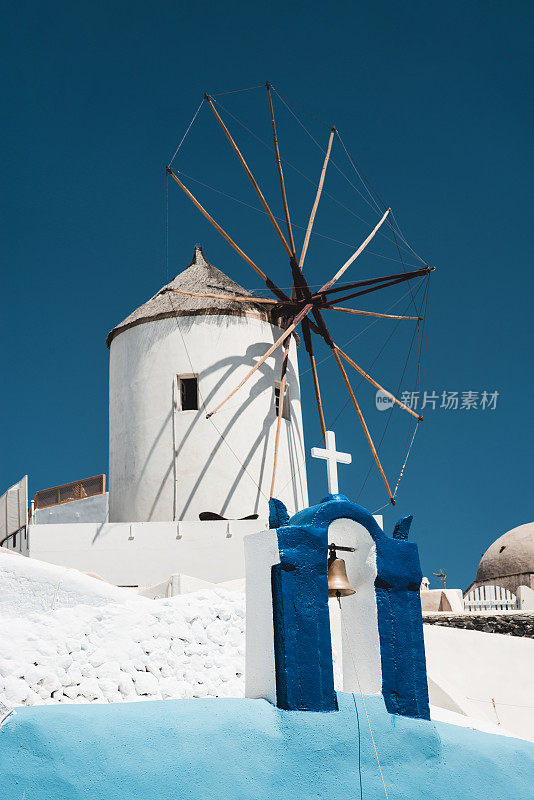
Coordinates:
[441,575]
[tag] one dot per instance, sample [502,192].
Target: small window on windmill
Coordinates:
[187,399]
[285,406]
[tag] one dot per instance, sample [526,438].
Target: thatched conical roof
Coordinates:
[199,276]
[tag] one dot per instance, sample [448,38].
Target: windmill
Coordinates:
[305,307]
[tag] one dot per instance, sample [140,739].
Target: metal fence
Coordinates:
[67,492]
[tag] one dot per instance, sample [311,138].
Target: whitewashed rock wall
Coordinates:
[69,638]
[187,646]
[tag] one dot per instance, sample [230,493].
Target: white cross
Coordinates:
[332,458]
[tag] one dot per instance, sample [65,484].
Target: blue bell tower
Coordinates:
[302,651]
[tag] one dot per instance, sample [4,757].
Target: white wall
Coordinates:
[167,464]
[87,509]
[469,671]
[28,586]
[261,553]
[185,584]
[146,553]
[525,597]
[359,610]
[442,600]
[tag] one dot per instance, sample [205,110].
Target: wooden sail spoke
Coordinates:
[303,306]
[299,317]
[403,276]
[322,330]
[256,366]
[281,175]
[355,255]
[300,287]
[309,349]
[371,289]
[280,413]
[250,176]
[316,201]
[230,297]
[363,424]
[366,313]
[272,286]
[367,377]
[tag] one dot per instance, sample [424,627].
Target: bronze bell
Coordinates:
[338,582]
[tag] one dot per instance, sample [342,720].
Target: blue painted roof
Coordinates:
[250,750]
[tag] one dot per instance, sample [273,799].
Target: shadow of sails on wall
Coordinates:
[171,361]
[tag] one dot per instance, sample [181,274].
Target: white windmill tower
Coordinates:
[169,359]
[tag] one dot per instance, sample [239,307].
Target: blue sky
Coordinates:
[433,100]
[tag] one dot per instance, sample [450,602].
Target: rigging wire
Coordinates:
[187,131]
[331,422]
[372,191]
[166,227]
[360,174]
[332,161]
[259,290]
[422,337]
[373,194]
[366,182]
[405,241]
[402,262]
[295,225]
[377,511]
[381,233]
[236,91]
[347,178]
[409,446]
[312,182]
[347,639]
[390,415]
[425,326]
[360,333]
[344,345]
[406,459]
[301,109]
[367,186]
[219,433]
[359,744]
[401,473]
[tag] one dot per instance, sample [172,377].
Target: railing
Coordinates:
[490,598]
[67,492]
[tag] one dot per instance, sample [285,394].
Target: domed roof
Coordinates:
[199,276]
[511,554]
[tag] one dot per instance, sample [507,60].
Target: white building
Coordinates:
[171,361]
